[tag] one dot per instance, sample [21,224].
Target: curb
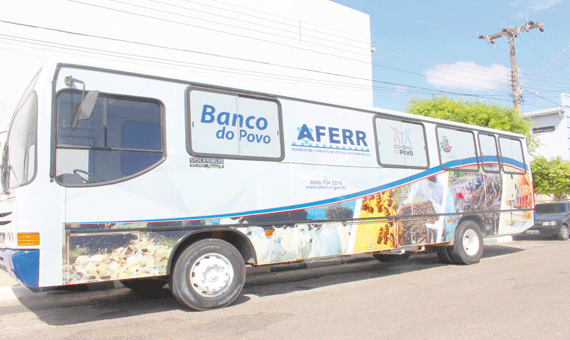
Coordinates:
[498,239]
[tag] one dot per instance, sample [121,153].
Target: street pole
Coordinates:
[510,34]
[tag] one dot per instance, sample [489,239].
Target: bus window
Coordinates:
[401,144]
[122,137]
[233,126]
[457,149]
[512,155]
[489,153]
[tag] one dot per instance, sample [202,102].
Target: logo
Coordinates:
[250,127]
[402,142]
[445,145]
[401,137]
[331,138]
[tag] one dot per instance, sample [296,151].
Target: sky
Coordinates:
[426,48]
[422,48]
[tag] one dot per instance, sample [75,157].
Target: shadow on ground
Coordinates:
[73,307]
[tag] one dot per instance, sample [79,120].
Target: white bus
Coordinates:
[110,174]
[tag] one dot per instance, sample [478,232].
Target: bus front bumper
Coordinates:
[23,265]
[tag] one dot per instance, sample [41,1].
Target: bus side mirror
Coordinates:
[85,109]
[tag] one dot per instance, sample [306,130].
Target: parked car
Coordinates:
[551,219]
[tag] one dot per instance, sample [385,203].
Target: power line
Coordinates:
[162,61]
[222,56]
[415,20]
[449,14]
[492,10]
[295,32]
[221,31]
[376,86]
[293,23]
[383,66]
[545,69]
[511,33]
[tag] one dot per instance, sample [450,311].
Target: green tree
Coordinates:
[475,112]
[551,177]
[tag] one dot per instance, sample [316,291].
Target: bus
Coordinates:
[112,174]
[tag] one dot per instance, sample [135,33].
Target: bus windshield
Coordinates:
[19,160]
[19,155]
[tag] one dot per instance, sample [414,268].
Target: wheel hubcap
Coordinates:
[471,242]
[211,275]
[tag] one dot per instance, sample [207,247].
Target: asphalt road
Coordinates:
[519,290]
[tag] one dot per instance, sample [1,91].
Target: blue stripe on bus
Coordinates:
[472,161]
[338,199]
[520,166]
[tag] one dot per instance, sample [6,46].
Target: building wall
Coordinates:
[551,145]
[318,48]
[552,127]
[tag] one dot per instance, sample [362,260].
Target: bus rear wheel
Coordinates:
[444,254]
[208,274]
[468,243]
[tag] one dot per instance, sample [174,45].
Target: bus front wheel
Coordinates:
[468,243]
[208,274]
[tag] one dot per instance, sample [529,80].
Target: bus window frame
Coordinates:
[400,120]
[479,133]
[475,148]
[228,92]
[55,138]
[504,169]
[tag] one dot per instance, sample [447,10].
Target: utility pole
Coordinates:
[511,33]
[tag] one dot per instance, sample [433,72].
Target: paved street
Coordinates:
[519,290]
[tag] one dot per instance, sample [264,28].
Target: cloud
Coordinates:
[468,75]
[532,6]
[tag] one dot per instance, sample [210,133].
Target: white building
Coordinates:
[314,48]
[552,127]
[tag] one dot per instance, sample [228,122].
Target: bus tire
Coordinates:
[444,254]
[468,245]
[208,274]
[145,285]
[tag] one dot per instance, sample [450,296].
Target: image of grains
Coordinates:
[413,230]
[379,233]
[111,257]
